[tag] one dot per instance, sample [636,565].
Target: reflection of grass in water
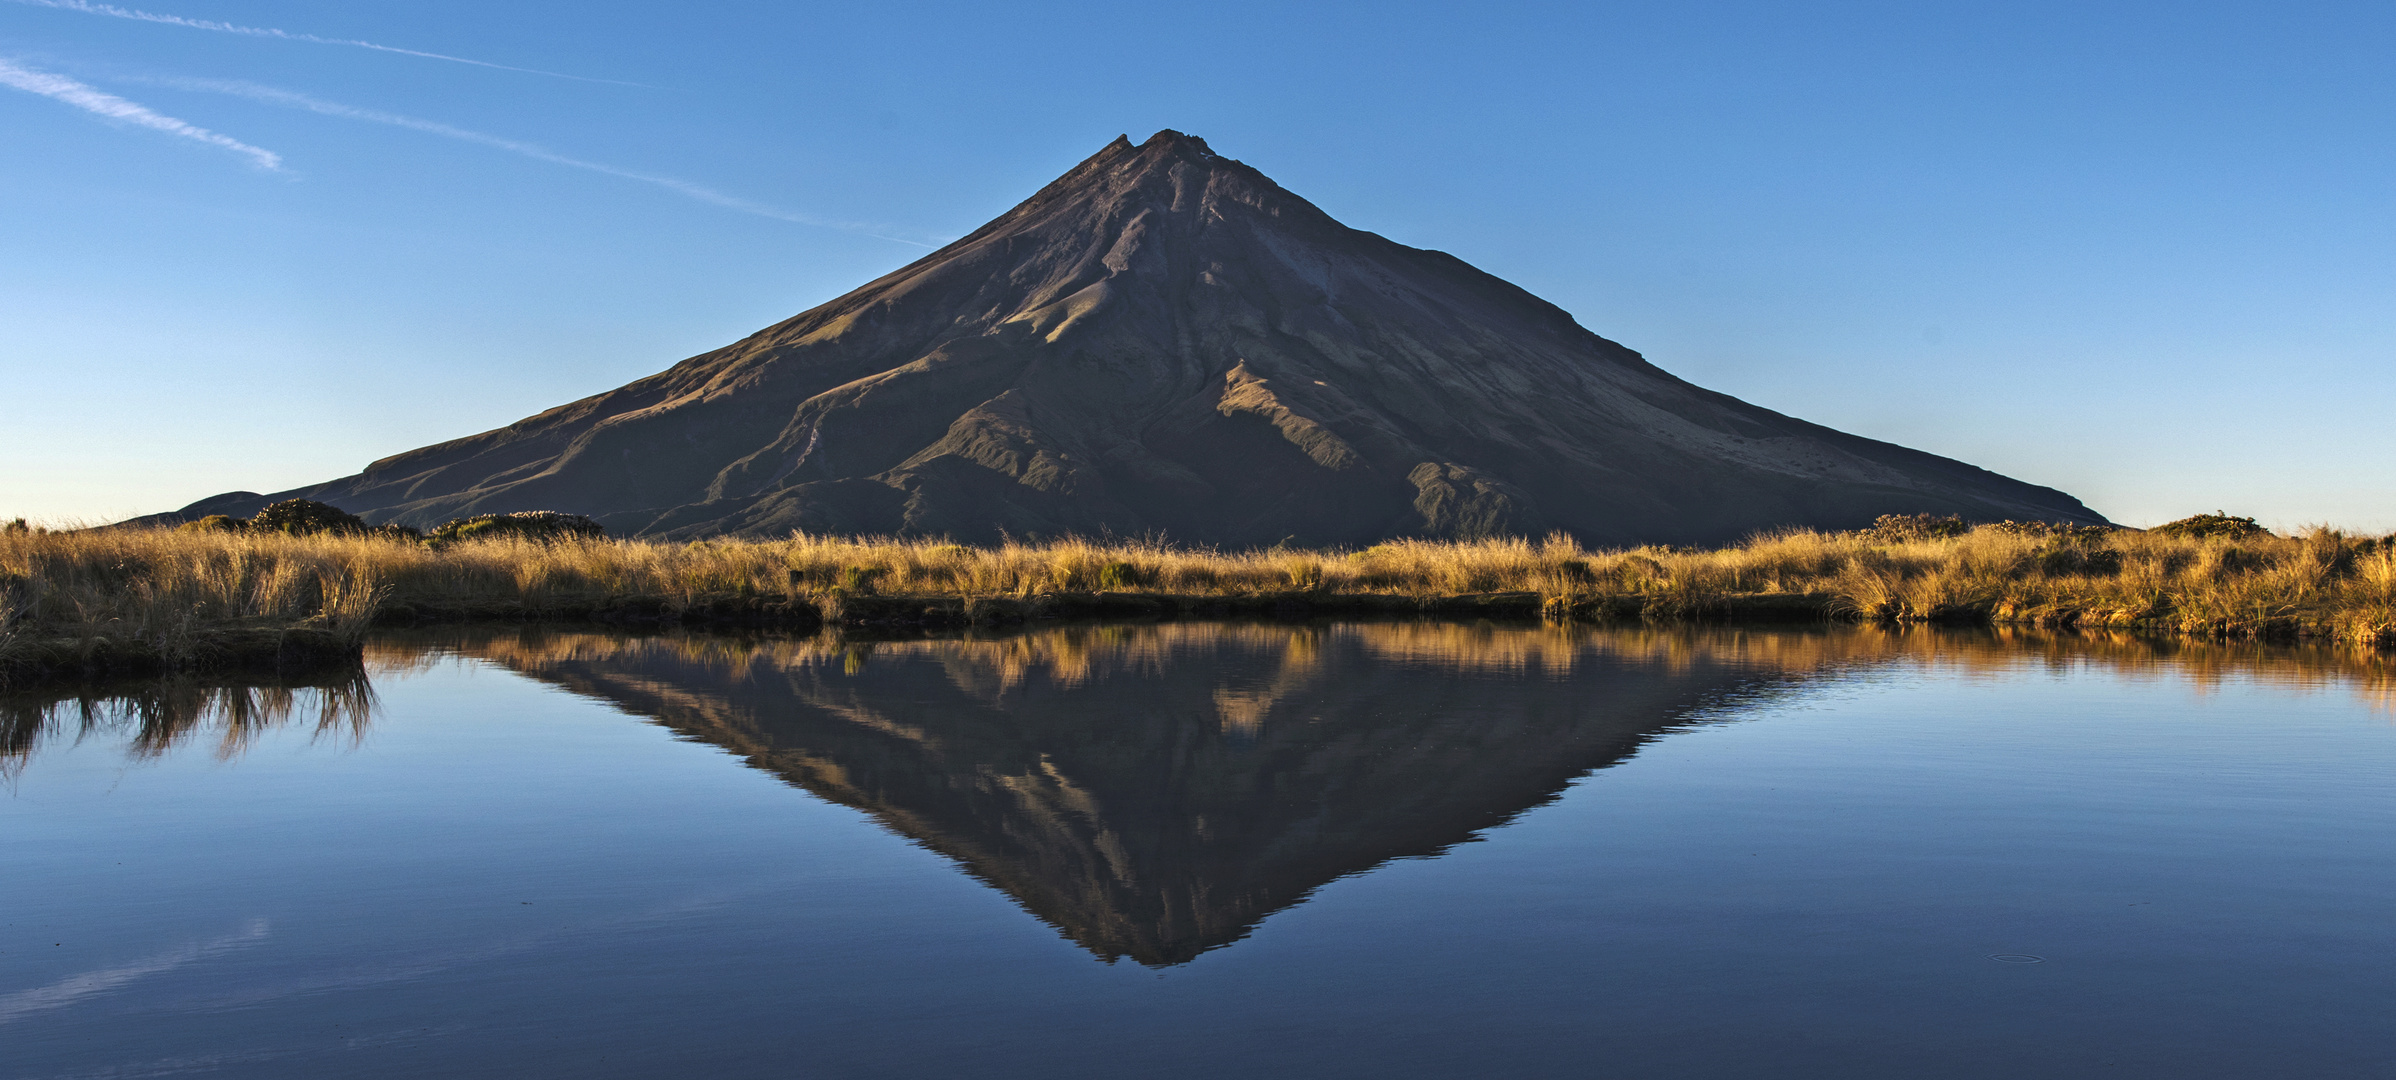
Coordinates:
[1073,655]
[156,717]
[165,586]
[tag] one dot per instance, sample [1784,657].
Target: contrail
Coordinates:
[61,88]
[115,12]
[274,96]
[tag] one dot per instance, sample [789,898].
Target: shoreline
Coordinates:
[303,651]
[285,652]
[104,602]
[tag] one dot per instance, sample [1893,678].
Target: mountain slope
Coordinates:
[1164,340]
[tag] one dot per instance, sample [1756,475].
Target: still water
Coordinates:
[1201,850]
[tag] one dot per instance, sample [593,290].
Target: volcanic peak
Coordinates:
[1163,340]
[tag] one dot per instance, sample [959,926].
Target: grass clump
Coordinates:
[862,579]
[103,599]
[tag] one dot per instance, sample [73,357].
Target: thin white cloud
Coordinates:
[115,12]
[61,88]
[74,988]
[274,96]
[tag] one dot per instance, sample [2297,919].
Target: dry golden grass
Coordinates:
[164,590]
[160,587]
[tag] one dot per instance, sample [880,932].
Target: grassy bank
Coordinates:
[125,600]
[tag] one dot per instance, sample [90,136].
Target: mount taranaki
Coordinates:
[1165,341]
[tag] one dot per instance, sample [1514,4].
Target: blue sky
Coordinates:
[2140,252]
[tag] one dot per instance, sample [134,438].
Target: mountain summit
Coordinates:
[1165,341]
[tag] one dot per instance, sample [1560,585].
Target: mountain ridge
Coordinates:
[1165,341]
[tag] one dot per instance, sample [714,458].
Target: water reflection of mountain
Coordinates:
[1155,791]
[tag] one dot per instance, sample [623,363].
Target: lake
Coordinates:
[1209,850]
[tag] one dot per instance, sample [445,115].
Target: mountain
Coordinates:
[1165,341]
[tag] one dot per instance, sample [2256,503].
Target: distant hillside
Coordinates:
[1165,341]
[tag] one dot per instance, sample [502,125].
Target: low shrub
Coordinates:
[1915,528]
[2218,525]
[545,526]
[216,523]
[305,517]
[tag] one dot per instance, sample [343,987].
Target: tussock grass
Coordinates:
[163,588]
[171,595]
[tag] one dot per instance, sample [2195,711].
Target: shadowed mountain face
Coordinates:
[1155,792]
[1164,340]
